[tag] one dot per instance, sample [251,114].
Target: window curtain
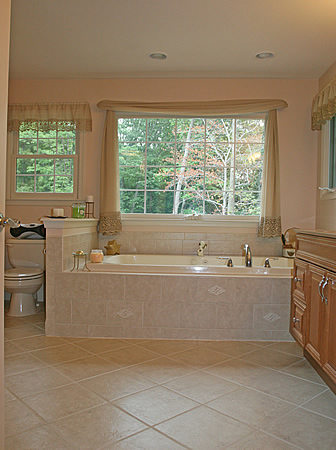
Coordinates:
[110,221]
[49,116]
[324,106]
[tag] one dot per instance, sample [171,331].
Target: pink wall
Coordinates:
[298,144]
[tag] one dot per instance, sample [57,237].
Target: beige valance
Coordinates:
[49,116]
[324,105]
[208,108]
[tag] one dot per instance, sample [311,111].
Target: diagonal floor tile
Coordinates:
[98,346]
[38,342]
[22,332]
[324,404]
[305,429]
[39,438]
[129,356]
[261,441]
[231,348]
[146,440]
[155,405]
[288,347]
[267,357]
[91,366]
[60,354]
[35,381]
[162,370]
[203,428]
[303,369]
[63,401]
[117,384]
[251,407]
[19,418]
[167,347]
[200,357]
[21,363]
[201,386]
[98,427]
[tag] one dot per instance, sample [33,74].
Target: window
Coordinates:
[209,166]
[332,155]
[328,160]
[44,164]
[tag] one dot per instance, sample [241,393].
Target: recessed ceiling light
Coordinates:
[264,55]
[157,56]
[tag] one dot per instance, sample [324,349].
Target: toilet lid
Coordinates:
[23,272]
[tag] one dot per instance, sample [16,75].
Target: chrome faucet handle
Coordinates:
[13,223]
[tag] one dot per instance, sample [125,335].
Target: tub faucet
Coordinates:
[201,247]
[248,256]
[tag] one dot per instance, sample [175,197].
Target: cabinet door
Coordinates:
[315,313]
[297,327]
[329,360]
[300,268]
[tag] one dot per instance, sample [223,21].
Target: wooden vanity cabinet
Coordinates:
[313,305]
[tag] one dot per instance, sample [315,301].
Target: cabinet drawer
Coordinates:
[299,279]
[298,320]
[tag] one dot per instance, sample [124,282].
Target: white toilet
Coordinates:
[26,256]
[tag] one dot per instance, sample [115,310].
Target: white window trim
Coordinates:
[325,193]
[42,199]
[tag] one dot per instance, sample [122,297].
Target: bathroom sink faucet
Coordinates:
[201,247]
[248,256]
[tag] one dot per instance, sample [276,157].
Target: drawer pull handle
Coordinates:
[295,320]
[297,280]
[319,288]
[323,286]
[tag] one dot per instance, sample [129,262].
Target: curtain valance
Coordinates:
[49,116]
[324,105]
[203,108]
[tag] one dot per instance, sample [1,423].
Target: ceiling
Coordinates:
[202,38]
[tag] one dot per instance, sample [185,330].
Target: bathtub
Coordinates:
[186,264]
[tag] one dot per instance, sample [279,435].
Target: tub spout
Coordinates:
[248,256]
[201,247]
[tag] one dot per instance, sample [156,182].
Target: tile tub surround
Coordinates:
[156,306]
[168,306]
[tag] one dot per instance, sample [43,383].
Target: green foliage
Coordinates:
[210,166]
[35,172]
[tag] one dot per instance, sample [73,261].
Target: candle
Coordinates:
[96,256]
[57,212]
[89,199]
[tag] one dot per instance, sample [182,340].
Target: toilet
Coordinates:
[26,256]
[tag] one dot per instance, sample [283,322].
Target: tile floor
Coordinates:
[72,393]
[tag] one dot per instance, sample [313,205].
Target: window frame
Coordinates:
[43,198]
[184,220]
[326,193]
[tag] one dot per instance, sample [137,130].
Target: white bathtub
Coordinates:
[185,264]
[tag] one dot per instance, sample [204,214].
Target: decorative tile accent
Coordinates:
[272,317]
[216,290]
[125,313]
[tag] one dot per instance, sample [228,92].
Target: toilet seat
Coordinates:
[23,273]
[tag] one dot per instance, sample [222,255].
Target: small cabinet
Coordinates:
[313,305]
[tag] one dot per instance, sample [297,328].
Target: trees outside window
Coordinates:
[191,165]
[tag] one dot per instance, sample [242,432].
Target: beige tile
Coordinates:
[22,332]
[286,387]
[146,440]
[71,329]
[63,401]
[85,312]
[21,363]
[38,342]
[324,404]
[198,315]
[19,418]
[35,381]
[254,290]
[155,405]
[98,427]
[235,316]
[130,355]
[261,441]
[60,354]
[288,347]
[36,318]
[107,286]
[101,345]
[167,347]
[14,322]
[162,370]
[204,428]
[216,289]
[251,407]
[271,317]
[72,285]
[199,357]
[201,386]
[90,366]
[63,310]
[165,314]
[39,438]
[124,313]
[305,429]
[11,349]
[231,348]
[303,369]
[8,396]
[175,289]
[239,371]
[117,384]
[143,287]
[271,358]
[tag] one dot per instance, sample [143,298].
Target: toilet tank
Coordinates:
[26,252]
